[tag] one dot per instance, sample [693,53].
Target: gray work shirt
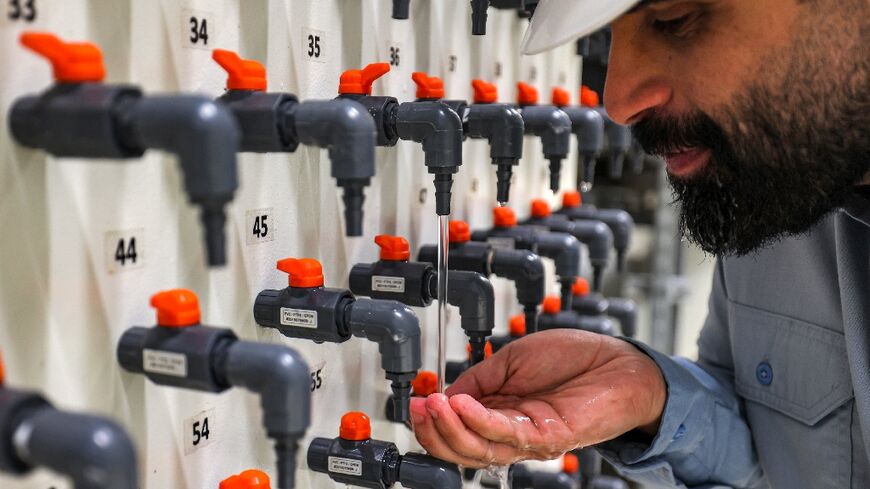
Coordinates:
[780,395]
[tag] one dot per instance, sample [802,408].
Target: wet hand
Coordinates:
[542,396]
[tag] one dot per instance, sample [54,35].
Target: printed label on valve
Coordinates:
[502,243]
[302,318]
[347,466]
[388,284]
[164,363]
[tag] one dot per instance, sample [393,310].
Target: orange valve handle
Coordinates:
[589,97]
[552,304]
[517,326]
[425,384]
[176,308]
[393,248]
[504,217]
[355,426]
[540,208]
[304,272]
[571,199]
[484,92]
[581,287]
[459,232]
[526,94]
[249,479]
[244,74]
[72,62]
[359,82]
[561,97]
[428,87]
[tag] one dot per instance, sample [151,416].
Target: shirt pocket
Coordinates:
[795,381]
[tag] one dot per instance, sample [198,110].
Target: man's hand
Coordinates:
[541,396]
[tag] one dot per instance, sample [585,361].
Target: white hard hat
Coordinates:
[559,21]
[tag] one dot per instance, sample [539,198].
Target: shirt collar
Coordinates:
[857,206]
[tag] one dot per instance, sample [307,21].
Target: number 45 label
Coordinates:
[198,431]
[260,226]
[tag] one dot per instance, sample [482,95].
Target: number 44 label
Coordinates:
[199,431]
[124,250]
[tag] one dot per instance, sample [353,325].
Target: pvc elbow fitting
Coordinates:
[502,126]
[93,451]
[439,129]
[280,376]
[625,311]
[205,137]
[396,330]
[348,132]
[565,251]
[526,269]
[553,126]
[472,293]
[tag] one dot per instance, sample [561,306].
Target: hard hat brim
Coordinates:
[559,21]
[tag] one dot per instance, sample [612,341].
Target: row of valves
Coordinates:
[82,117]
[181,352]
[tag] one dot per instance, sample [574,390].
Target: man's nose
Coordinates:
[636,79]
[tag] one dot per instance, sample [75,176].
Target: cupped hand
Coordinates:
[542,396]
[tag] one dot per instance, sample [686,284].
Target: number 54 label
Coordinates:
[199,431]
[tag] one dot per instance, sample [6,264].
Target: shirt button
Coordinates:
[764,373]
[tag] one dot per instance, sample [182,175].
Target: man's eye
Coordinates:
[678,26]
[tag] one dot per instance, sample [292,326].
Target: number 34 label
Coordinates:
[197,29]
[199,431]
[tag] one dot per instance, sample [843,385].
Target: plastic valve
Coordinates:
[561,97]
[357,459]
[504,217]
[459,232]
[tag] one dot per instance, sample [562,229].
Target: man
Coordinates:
[760,108]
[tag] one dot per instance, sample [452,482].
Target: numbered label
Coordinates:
[318,374]
[199,431]
[124,250]
[198,29]
[21,10]
[314,45]
[260,226]
[452,62]
[533,74]
[563,78]
[497,69]
[394,54]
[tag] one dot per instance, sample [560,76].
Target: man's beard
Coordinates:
[781,160]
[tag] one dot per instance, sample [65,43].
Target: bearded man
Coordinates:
[760,109]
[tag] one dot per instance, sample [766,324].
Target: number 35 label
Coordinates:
[314,47]
[199,431]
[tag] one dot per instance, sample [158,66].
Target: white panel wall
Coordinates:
[63,309]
